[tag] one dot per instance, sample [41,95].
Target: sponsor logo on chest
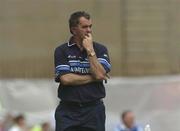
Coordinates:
[79,65]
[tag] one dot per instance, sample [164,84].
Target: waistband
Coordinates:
[81,104]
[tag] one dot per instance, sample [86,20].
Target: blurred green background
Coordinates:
[142,35]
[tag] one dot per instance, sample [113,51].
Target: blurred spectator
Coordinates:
[19,124]
[45,126]
[36,128]
[128,122]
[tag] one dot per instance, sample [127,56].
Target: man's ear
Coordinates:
[73,30]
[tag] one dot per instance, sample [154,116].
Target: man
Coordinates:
[128,123]
[81,67]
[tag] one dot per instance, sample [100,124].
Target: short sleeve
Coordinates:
[103,58]
[61,63]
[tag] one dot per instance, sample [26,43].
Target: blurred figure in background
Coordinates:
[19,124]
[46,126]
[36,128]
[42,127]
[128,122]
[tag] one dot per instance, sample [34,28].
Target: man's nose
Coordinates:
[89,30]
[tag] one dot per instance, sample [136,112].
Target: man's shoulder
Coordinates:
[119,127]
[122,127]
[99,45]
[61,46]
[139,127]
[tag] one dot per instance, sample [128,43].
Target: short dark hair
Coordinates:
[18,118]
[74,18]
[123,115]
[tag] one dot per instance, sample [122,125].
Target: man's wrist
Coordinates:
[90,52]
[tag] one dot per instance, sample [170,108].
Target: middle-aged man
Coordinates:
[81,66]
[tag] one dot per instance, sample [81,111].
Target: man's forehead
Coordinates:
[83,21]
[130,114]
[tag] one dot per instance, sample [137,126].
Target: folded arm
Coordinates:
[75,79]
[96,68]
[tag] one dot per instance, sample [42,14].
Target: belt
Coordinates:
[81,104]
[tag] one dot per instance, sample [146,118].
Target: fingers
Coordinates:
[89,35]
[87,41]
[107,75]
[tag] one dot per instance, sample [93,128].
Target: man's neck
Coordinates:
[78,41]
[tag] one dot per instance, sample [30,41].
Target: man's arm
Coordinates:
[97,69]
[75,79]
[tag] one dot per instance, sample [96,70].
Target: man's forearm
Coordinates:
[75,79]
[97,69]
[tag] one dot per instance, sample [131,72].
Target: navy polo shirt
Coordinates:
[69,59]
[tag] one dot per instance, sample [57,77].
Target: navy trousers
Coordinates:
[80,118]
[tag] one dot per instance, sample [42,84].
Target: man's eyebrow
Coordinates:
[87,25]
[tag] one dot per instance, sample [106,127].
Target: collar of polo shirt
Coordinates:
[70,42]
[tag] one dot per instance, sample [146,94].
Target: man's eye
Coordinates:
[85,27]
